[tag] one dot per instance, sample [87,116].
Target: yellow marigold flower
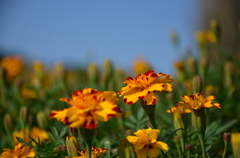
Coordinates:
[13,66]
[198,101]
[205,36]
[88,106]
[35,133]
[178,111]
[20,151]
[96,153]
[146,144]
[140,66]
[235,140]
[143,85]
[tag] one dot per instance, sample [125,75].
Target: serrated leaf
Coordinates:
[140,114]
[132,119]
[20,140]
[63,132]
[226,126]
[129,125]
[55,132]
[51,137]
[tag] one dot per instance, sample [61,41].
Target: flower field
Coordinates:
[101,111]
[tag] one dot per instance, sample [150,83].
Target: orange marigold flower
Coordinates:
[198,101]
[13,66]
[20,151]
[140,66]
[88,106]
[36,133]
[143,85]
[96,153]
[146,144]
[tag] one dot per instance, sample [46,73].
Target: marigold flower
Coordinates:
[146,144]
[36,133]
[198,101]
[13,66]
[140,66]
[88,106]
[143,85]
[96,153]
[178,111]
[205,36]
[20,151]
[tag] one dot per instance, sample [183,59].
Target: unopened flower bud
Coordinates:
[42,120]
[228,71]
[188,146]
[72,146]
[107,68]
[93,73]
[196,84]
[126,149]
[23,115]
[215,28]
[227,136]
[176,139]
[8,124]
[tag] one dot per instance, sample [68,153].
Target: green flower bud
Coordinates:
[42,120]
[126,149]
[8,123]
[72,146]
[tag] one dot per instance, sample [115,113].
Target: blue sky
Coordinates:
[80,31]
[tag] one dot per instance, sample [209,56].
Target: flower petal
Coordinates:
[132,139]
[105,110]
[161,145]
[150,98]
[156,87]
[142,153]
[152,152]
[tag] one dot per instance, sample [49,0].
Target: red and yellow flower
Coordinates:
[146,144]
[88,106]
[20,151]
[143,86]
[198,101]
[96,153]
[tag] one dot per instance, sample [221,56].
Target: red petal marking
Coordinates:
[149,72]
[95,97]
[94,148]
[66,121]
[116,109]
[130,102]
[149,92]
[154,75]
[141,97]
[163,85]
[219,106]
[129,86]
[154,101]
[110,115]
[125,100]
[52,114]
[129,78]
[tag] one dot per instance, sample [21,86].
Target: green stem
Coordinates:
[179,150]
[188,154]
[182,144]
[225,149]
[150,109]
[202,142]
[87,136]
